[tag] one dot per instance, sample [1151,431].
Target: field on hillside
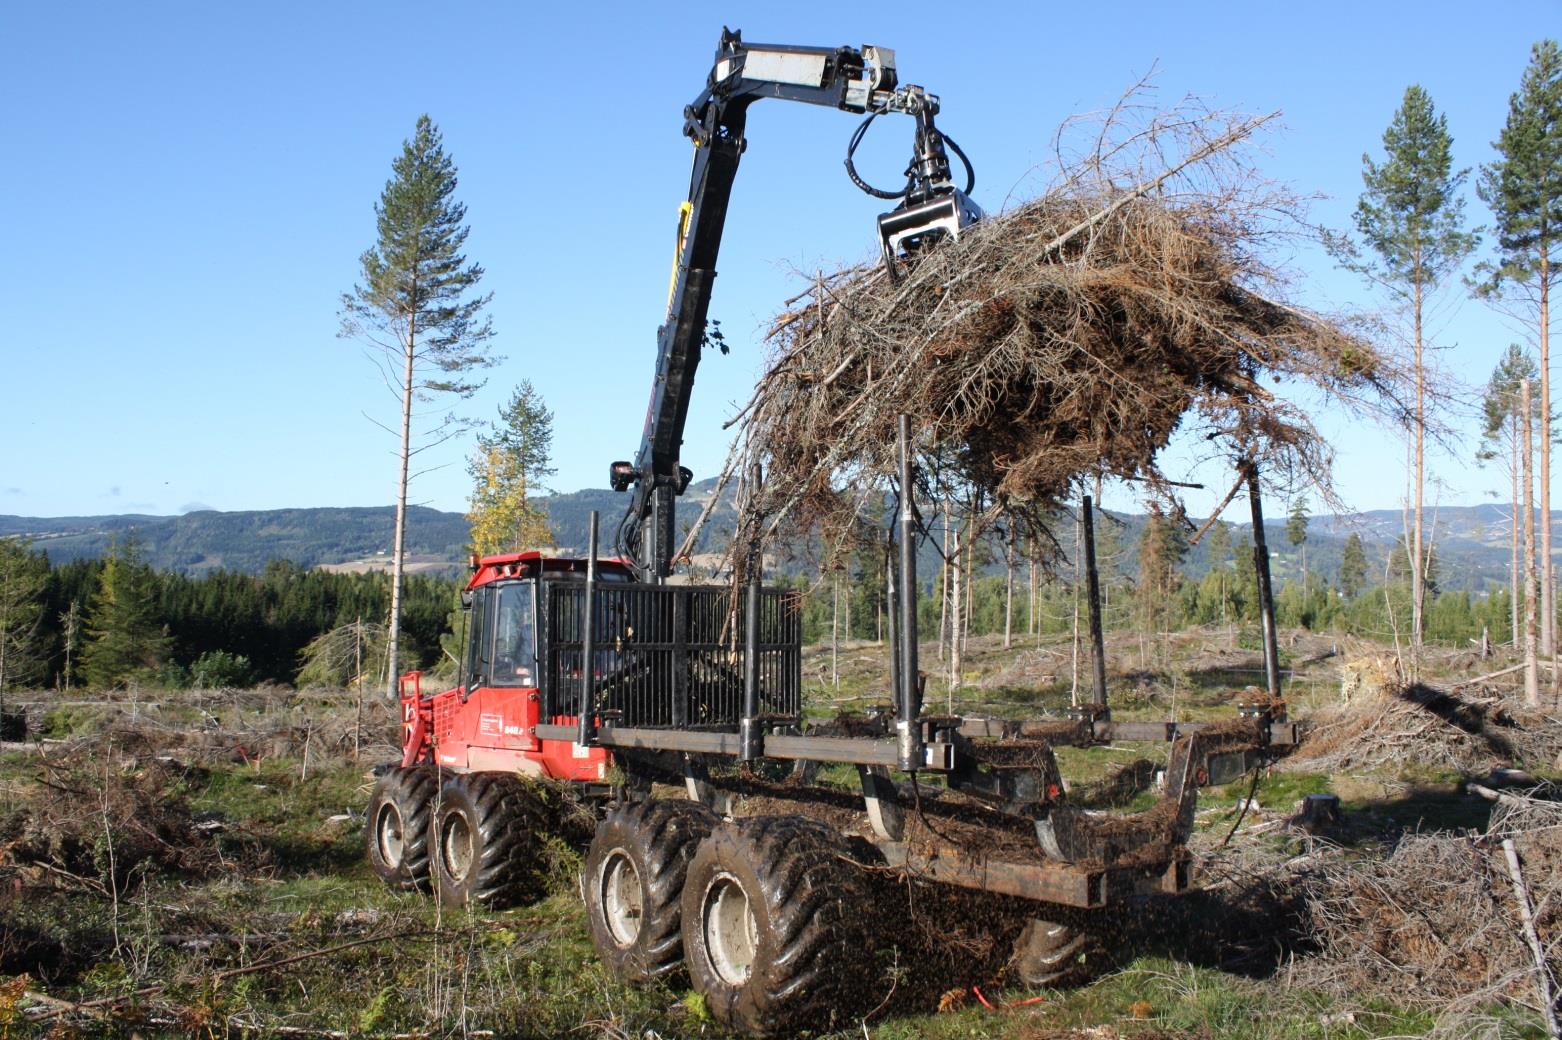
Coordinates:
[190,863]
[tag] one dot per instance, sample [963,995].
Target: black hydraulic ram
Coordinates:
[587,730]
[1266,594]
[908,699]
[750,743]
[1093,596]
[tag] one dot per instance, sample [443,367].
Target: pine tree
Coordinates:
[1501,436]
[1353,567]
[1411,216]
[414,313]
[125,637]
[1524,190]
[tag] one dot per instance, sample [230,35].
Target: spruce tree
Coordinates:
[1296,533]
[1524,190]
[510,465]
[417,313]
[23,577]
[1353,567]
[125,637]
[1411,216]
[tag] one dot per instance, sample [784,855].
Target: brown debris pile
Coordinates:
[1436,920]
[103,824]
[1068,337]
[1423,724]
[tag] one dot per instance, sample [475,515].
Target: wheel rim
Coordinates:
[456,850]
[730,930]
[388,834]
[621,899]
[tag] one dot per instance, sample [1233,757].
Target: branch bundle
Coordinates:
[1069,337]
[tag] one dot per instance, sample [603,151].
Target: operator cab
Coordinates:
[501,648]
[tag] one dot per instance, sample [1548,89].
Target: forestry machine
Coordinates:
[586,681]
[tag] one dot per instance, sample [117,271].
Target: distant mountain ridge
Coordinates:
[1471,542]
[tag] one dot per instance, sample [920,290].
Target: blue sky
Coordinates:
[187,189]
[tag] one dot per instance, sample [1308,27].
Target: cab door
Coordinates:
[505,668]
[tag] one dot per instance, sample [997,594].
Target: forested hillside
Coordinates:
[1470,545]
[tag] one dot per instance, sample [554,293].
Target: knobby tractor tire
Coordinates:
[633,881]
[396,827]
[1054,955]
[488,848]
[770,926]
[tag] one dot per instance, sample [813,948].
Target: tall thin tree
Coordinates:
[1524,190]
[1411,216]
[1500,439]
[416,318]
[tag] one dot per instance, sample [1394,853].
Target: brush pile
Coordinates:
[1429,726]
[1068,337]
[1436,921]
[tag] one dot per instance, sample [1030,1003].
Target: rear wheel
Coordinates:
[396,829]
[769,935]
[488,842]
[633,880]
[1055,955]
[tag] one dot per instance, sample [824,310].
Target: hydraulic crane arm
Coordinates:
[862,81]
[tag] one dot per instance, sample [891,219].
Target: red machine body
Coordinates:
[488,722]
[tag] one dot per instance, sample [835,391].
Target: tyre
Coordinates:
[769,926]
[488,848]
[1054,955]
[632,882]
[396,827]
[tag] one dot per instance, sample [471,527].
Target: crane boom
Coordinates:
[847,78]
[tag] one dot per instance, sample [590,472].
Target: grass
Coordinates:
[296,882]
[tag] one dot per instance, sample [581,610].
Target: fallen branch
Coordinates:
[1543,982]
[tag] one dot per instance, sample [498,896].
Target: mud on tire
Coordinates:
[633,881]
[771,932]
[487,842]
[396,827]
[1057,955]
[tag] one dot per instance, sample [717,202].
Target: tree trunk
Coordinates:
[1008,590]
[1417,567]
[835,633]
[969,573]
[1531,665]
[954,640]
[398,559]
[1079,583]
[1548,614]
[1513,569]
[943,589]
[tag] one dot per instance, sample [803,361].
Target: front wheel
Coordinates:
[396,827]
[770,934]
[488,845]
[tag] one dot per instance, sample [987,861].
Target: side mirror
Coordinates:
[466,599]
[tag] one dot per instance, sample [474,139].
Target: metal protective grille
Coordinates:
[672,655]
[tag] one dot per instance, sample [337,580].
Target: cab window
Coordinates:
[514,637]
